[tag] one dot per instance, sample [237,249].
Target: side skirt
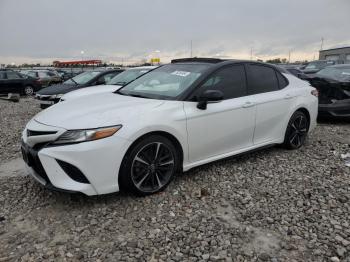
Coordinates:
[240,152]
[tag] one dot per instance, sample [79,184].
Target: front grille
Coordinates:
[39,133]
[30,156]
[44,98]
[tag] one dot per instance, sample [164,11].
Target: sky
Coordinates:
[40,31]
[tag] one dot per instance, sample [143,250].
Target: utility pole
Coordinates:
[251,53]
[191,49]
[289,58]
[321,44]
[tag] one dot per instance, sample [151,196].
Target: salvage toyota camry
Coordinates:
[178,116]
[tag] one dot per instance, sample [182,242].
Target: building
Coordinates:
[77,63]
[341,54]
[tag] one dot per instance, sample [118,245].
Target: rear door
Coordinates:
[273,101]
[3,85]
[225,126]
[14,82]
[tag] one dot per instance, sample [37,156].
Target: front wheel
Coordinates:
[149,166]
[28,90]
[297,130]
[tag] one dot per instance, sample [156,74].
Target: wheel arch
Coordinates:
[306,112]
[165,134]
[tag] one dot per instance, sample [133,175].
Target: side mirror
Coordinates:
[209,96]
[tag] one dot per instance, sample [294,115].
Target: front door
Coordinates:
[225,126]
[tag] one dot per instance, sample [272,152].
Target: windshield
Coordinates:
[340,74]
[82,78]
[319,64]
[165,82]
[127,76]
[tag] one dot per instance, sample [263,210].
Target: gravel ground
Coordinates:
[272,205]
[13,118]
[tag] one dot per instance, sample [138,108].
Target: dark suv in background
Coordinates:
[14,82]
[52,94]
[45,77]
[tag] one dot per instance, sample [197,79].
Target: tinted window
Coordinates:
[230,81]
[282,81]
[107,77]
[261,79]
[12,75]
[2,75]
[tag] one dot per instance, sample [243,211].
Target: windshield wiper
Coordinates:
[120,83]
[73,81]
[141,96]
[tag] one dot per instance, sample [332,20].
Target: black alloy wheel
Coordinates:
[297,130]
[150,166]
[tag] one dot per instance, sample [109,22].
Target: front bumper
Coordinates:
[98,162]
[47,100]
[338,109]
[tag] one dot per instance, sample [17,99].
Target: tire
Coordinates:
[297,130]
[149,166]
[28,90]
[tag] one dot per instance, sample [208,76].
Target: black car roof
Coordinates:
[218,62]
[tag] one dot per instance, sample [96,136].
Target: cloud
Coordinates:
[131,30]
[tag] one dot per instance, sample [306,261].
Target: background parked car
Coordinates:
[315,66]
[52,94]
[333,84]
[115,83]
[14,82]
[296,72]
[45,77]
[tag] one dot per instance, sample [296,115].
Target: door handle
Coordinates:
[288,96]
[248,104]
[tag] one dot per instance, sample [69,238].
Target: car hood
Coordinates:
[93,90]
[96,111]
[57,89]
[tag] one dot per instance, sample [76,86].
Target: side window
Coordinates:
[107,77]
[2,75]
[42,74]
[31,74]
[282,81]
[12,75]
[261,79]
[231,81]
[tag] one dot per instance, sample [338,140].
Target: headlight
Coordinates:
[77,136]
[56,96]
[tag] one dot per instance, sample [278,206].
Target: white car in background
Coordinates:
[176,117]
[114,84]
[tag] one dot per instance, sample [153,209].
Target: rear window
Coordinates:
[282,81]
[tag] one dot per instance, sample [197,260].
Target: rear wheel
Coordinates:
[149,166]
[28,90]
[297,130]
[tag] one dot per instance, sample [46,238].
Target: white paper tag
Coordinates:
[181,73]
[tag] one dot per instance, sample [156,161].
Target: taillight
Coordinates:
[315,92]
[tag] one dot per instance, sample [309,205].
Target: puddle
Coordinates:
[13,167]
[260,241]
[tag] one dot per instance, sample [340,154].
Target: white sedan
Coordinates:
[176,117]
[115,83]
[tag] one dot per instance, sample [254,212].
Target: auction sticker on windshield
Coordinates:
[181,73]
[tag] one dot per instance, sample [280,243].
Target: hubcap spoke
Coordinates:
[137,158]
[158,180]
[157,150]
[142,179]
[170,162]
